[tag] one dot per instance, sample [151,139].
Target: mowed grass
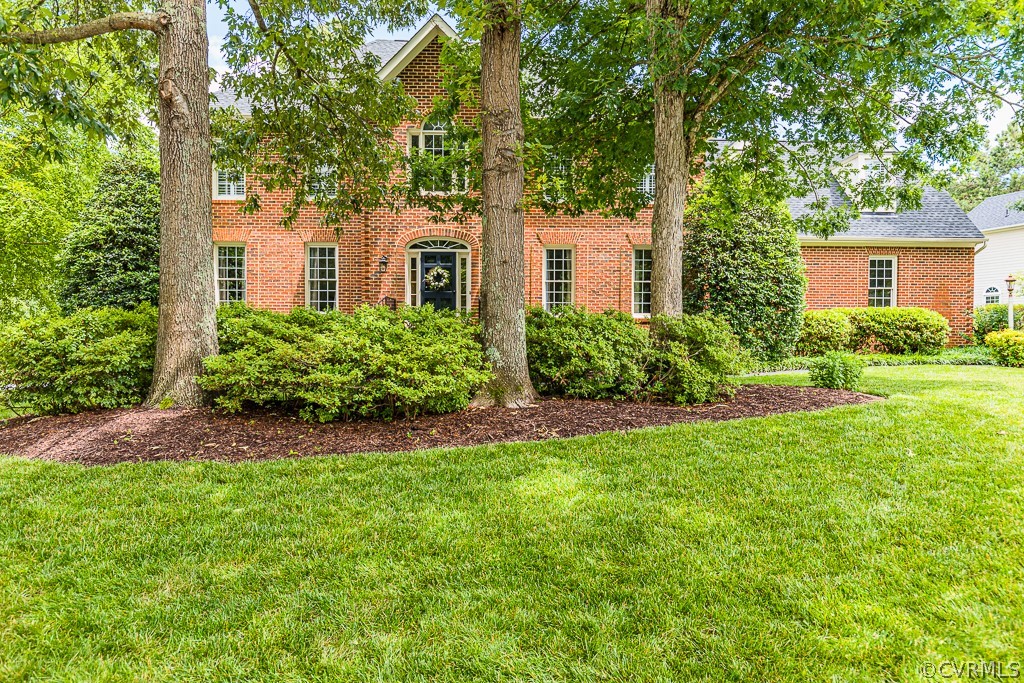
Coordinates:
[855,544]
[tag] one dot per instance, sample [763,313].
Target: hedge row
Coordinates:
[995,317]
[881,330]
[374,363]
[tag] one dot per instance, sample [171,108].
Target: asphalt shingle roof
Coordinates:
[995,212]
[939,217]
[384,50]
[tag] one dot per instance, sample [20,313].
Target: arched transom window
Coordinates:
[438,273]
[992,295]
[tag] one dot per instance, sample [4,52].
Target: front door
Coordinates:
[437,278]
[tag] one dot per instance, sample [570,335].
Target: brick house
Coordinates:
[919,258]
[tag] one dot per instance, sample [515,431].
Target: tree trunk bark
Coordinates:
[671,182]
[502,282]
[187,330]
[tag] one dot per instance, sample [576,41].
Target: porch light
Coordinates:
[382,264]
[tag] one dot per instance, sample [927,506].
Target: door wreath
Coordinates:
[437,278]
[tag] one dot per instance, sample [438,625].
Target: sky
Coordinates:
[217,30]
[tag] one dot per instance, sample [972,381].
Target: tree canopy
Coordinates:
[997,168]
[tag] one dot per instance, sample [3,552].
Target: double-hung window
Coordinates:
[559,277]
[229,184]
[322,276]
[646,184]
[881,281]
[324,183]
[428,148]
[642,282]
[230,273]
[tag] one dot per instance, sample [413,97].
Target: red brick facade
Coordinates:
[938,278]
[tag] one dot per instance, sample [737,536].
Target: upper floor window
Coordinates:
[992,295]
[230,273]
[428,147]
[559,277]
[324,182]
[882,281]
[646,185]
[229,184]
[642,282]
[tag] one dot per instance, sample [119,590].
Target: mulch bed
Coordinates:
[107,437]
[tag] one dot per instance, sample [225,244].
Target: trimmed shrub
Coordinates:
[993,317]
[898,330]
[374,363]
[836,370]
[586,355]
[824,331]
[1007,346]
[95,358]
[742,261]
[112,258]
[692,357]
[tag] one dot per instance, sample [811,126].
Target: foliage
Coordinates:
[741,260]
[995,317]
[375,363]
[586,355]
[693,355]
[958,355]
[898,330]
[837,370]
[824,331]
[112,257]
[996,169]
[40,200]
[94,358]
[1007,347]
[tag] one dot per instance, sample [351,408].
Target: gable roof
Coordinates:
[394,55]
[940,219]
[995,212]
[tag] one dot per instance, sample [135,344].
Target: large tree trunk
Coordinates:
[671,181]
[188,327]
[503,286]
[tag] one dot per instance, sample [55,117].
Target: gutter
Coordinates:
[891,242]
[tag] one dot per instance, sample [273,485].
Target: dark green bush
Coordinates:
[586,355]
[897,330]
[836,370]
[95,358]
[824,331]
[994,317]
[375,363]
[692,357]
[1007,346]
[742,261]
[112,257]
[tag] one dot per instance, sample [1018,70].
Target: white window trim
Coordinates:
[444,132]
[337,272]
[466,251]
[632,278]
[227,197]
[895,276]
[992,291]
[216,269]
[544,274]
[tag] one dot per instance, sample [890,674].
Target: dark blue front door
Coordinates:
[440,297]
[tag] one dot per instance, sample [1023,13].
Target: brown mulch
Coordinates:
[107,437]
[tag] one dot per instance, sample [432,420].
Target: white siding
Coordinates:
[1003,255]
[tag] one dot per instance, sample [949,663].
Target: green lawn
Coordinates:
[855,544]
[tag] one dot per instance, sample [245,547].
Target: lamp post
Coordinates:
[1010,281]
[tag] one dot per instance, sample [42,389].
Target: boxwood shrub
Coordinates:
[1007,346]
[898,330]
[586,355]
[824,331]
[94,358]
[374,363]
